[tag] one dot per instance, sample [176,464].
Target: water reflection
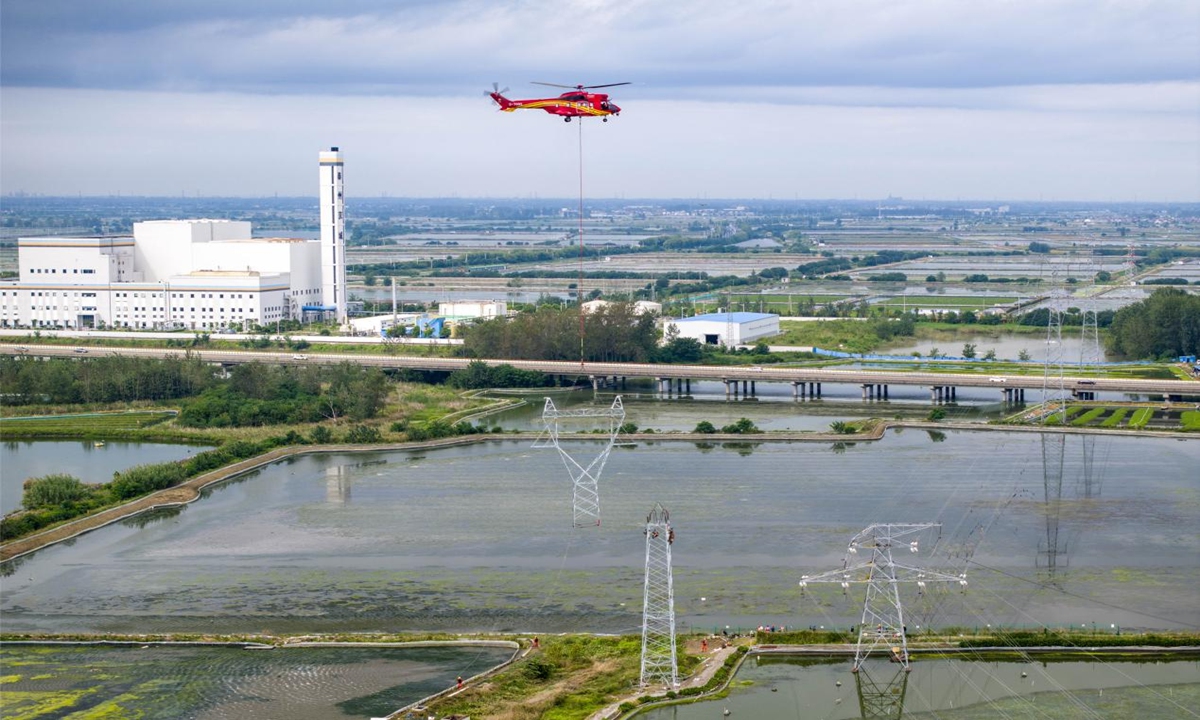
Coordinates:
[881,699]
[337,485]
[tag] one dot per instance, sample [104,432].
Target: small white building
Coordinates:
[473,309]
[640,307]
[728,329]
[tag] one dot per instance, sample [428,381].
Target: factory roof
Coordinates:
[735,317]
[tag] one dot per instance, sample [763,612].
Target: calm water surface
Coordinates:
[971,688]
[1060,531]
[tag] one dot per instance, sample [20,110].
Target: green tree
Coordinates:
[704,427]
[1023,356]
[968,351]
[1166,324]
[990,355]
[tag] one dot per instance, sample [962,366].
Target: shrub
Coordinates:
[145,479]
[705,427]
[741,427]
[936,414]
[321,435]
[538,668]
[363,434]
[57,489]
[628,428]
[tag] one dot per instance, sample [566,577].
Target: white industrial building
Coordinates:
[728,329]
[193,274]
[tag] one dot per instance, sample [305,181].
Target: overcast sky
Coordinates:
[934,99]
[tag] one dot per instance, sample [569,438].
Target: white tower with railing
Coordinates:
[333,234]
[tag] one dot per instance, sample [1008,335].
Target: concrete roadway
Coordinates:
[595,370]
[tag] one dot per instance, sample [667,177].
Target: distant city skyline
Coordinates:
[935,100]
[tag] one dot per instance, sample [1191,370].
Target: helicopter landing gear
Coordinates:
[603,119]
[567,119]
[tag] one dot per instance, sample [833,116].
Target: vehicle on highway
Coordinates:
[997,380]
[81,350]
[1087,382]
[299,357]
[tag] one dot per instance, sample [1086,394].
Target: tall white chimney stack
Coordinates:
[333,234]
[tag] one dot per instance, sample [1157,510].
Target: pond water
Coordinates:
[219,683]
[1007,346]
[1059,530]
[972,688]
[85,460]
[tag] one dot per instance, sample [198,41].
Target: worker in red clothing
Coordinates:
[459,682]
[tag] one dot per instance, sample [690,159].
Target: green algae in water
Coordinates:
[90,681]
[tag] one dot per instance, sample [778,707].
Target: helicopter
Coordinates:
[576,102]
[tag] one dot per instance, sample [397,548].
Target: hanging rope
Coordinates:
[579,284]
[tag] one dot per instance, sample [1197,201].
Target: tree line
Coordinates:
[1164,325]
[251,394]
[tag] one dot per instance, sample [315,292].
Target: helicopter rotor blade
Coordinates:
[496,89]
[592,87]
[569,87]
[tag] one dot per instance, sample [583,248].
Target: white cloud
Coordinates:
[373,47]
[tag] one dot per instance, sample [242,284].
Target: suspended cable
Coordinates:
[579,284]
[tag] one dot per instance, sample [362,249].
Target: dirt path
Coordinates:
[708,667]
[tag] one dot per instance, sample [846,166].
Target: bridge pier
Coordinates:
[796,390]
[689,386]
[726,381]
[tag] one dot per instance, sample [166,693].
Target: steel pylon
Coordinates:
[1054,390]
[868,561]
[585,479]
[659,666]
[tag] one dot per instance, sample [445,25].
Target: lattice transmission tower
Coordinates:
[868,561]
[1054,390]
[584,478]
[659,666]
[1089,349]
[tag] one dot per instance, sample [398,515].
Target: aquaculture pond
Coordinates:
[90,461]
[1059,530]
[220,683]
[971,688]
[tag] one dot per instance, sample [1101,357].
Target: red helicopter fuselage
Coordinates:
[575,103]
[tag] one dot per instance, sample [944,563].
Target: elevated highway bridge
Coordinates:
[804,381]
